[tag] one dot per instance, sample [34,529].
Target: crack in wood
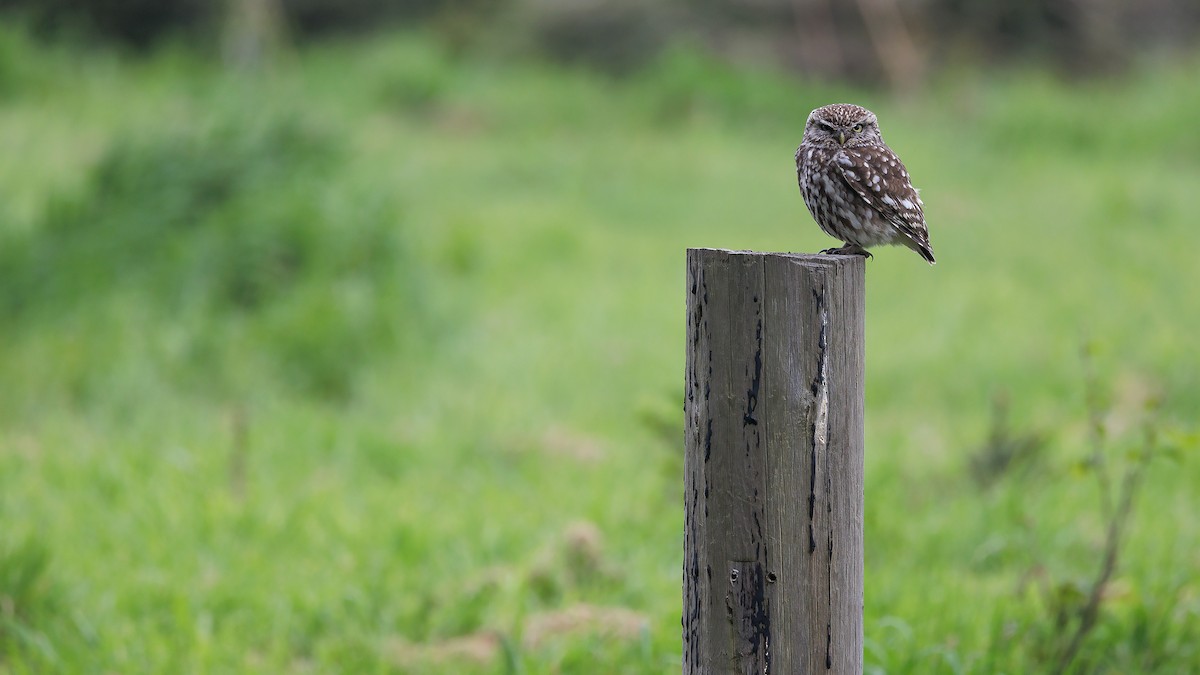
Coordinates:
[820,424]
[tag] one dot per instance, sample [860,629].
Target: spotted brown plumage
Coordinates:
[856,188]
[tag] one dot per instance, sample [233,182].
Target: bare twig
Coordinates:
[1112,546]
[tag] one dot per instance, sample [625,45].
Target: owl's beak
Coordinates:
[842,137]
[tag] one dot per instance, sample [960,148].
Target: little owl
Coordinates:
[856,188]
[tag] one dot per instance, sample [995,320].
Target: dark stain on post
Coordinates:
[829,600]
[756,381]
[707,438]
[828,646]
[812,493]
[748,611]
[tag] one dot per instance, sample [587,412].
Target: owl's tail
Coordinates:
[926,252]
[922,248]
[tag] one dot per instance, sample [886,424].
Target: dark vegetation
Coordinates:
[885,41]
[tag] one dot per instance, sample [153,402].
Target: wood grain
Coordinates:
[773,546]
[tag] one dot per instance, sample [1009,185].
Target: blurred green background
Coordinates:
[348,337]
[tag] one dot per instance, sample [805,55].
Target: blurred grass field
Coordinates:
[372,361]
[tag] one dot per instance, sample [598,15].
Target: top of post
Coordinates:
[816,259]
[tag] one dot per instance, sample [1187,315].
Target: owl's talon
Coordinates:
[848,249]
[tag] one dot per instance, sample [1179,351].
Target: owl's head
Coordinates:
[842,125]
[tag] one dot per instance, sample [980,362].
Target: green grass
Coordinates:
[373,362]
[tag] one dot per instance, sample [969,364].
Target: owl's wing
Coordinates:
[878,176]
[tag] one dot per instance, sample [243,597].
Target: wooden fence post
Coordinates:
[773,547]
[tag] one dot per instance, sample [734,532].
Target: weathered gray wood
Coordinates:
[773,546]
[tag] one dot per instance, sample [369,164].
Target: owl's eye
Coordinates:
[857,128]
